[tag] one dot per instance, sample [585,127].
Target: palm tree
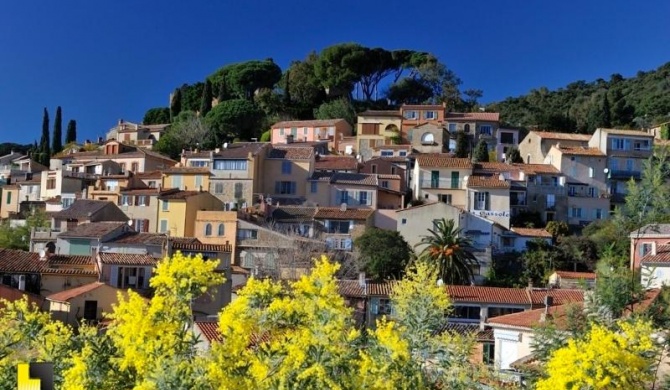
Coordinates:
[448,249]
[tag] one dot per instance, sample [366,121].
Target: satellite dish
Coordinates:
[343,207]
[225,145]
[130,222]
[42,254]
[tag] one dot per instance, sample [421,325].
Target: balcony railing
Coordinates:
[619,174]
[518,202]
[442,183]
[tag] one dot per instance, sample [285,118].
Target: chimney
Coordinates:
[361,279]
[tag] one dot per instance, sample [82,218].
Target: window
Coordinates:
[467,312]
[126,200]
[218,188]
[344,197]
[481,200]
[403,221]
[163,226]
[134,167]
[123,167]
[141,225]
[152,184]
[286,167]
[614,164]
[645,248]
[281,131]
[618,144]
[410,115]
[598,214]
[592,192]
[485,129]
[445,198]
[454,179]
[304,131]
[343,244]
[489,354]
[198,164]
[67,202]
[208,229]
[198,181]
[247,234]
[294,131]
[220,230]
[591,171]
[427,139]
[9,198]
[466,128]
[112,185]
[576,212]
[238,190]
[387,153]
[176,182]
[393,170]
[430,115]
[572,190]
[285,187]
[452,127]
[363,197]
[142,200]
[507,138]
[641,145]
[551,200]
[313,186]
[629,165]
[338,227]
[248,260]
[402,153]
[165,205]
[374,168]
[230,165]
[385,184]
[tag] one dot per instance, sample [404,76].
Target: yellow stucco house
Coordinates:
[178,210]
[376,128]
[187,178]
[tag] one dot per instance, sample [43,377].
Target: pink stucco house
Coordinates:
[331,130]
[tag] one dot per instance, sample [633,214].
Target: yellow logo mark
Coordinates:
[25,382]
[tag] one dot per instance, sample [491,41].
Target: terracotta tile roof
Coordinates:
[82,208]
[54,200]
[147,191]
[149,175]
[14,294]
[532,318]
[576,275]
[533,169]
[188,170]
[352,288]
[308,123]
[210,330]
[336,213]
[392,147]
[388,176]
[487,182]
[561,296]
[293,213]
[662,255]
[564,136]
[643,304]
[442,161]
[531,232]
[336,163]
[236,151]
[636,133]
[483,294]
[473,116]
[381,113]
[494,167]
[27,262]
[304,153]
[346,178]
[180,195]
[126,259]
[92,230]
[467,330]
[134,238]
[200,247]
[65,296]
[581,151]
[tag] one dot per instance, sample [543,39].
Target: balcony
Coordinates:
[624,175]
[443,183]
[518,202]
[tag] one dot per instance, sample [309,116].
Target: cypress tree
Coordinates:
[462,147]
[45,148]
[175,104]
[58,132]
[223,90]
[287,92]
[206,103]
[71,134]
[481,153]
[607,116]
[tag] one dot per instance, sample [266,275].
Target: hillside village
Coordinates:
[265,209]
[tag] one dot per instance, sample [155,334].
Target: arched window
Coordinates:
[427,139]
[466,128]
[208,229]
[220,229]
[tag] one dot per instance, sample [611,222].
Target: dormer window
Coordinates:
[427,139]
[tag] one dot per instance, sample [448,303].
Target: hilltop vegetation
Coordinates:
[635,102]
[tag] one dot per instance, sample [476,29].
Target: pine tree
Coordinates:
[481,153]
[462,145]
[45,148]
[58,132]
[206,103]
[71,134]
[223,90]
[175,104]
[287,92]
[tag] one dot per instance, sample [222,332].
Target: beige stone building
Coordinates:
[429,138]
[286,171]
[488,197]
[9,195]
[375,128]
[84,303]
[536,145]
[438,177]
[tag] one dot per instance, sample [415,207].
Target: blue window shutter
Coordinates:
[114,276]
[329,243]
[277,187]
[347,244]
[293,187]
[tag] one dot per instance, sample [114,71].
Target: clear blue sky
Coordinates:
[105,60]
